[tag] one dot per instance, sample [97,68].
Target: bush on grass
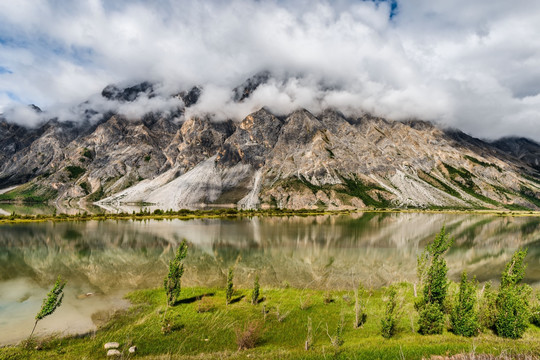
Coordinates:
[249,335]
[431,320]
[487,312]
[464,317]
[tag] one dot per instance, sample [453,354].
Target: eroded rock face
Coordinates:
[252,140]
[302,160]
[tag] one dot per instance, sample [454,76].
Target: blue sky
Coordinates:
[472,65]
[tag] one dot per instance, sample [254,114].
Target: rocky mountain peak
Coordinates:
[300,160]
[253,138]
[35,108]
[190,97]
[128,94]
[244,90]
[300,127]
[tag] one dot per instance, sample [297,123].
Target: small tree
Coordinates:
[422,265]
[432,271]
[487,312]
[337,339]
[512,301]
[172,283]
[464,317]
[391,314]
[256,291]
[52,301]
[230,289]
[360,304]
[436,282]
[309,338]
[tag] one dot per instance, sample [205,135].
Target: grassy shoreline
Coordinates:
[204,328]
[185,214]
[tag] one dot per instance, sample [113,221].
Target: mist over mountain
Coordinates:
[135,145]
[461,65]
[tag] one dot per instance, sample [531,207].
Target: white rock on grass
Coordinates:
[113,352]
[132,349]
[111,345]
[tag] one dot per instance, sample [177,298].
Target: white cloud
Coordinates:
[473,65]
[23,115]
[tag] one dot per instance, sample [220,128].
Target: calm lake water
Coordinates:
[104,260]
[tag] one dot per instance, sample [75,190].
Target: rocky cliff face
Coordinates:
[302,160]
[526,150]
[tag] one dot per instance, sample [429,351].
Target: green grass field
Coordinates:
[211,334]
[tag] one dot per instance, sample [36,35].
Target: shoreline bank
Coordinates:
[185,214]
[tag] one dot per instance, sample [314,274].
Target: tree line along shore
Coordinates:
[186,214]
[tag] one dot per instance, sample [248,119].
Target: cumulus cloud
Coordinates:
[472,65]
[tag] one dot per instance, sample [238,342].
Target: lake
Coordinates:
[103,260]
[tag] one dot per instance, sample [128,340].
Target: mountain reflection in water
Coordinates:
[104,260]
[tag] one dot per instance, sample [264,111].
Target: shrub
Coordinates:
[513,314]
[535,312]
[431,319]
[230,288]
[535,315]
[171,283]
[256,291]
[512,301]
[248,336]
[391,314]
[170,323]
[328,298]
[205,305]
[85,186]
[87,153]
[75,171]
[464,317]
[487,312]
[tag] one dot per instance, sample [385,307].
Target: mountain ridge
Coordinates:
[301,160]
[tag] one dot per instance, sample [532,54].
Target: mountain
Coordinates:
[301,160]
[524,149]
